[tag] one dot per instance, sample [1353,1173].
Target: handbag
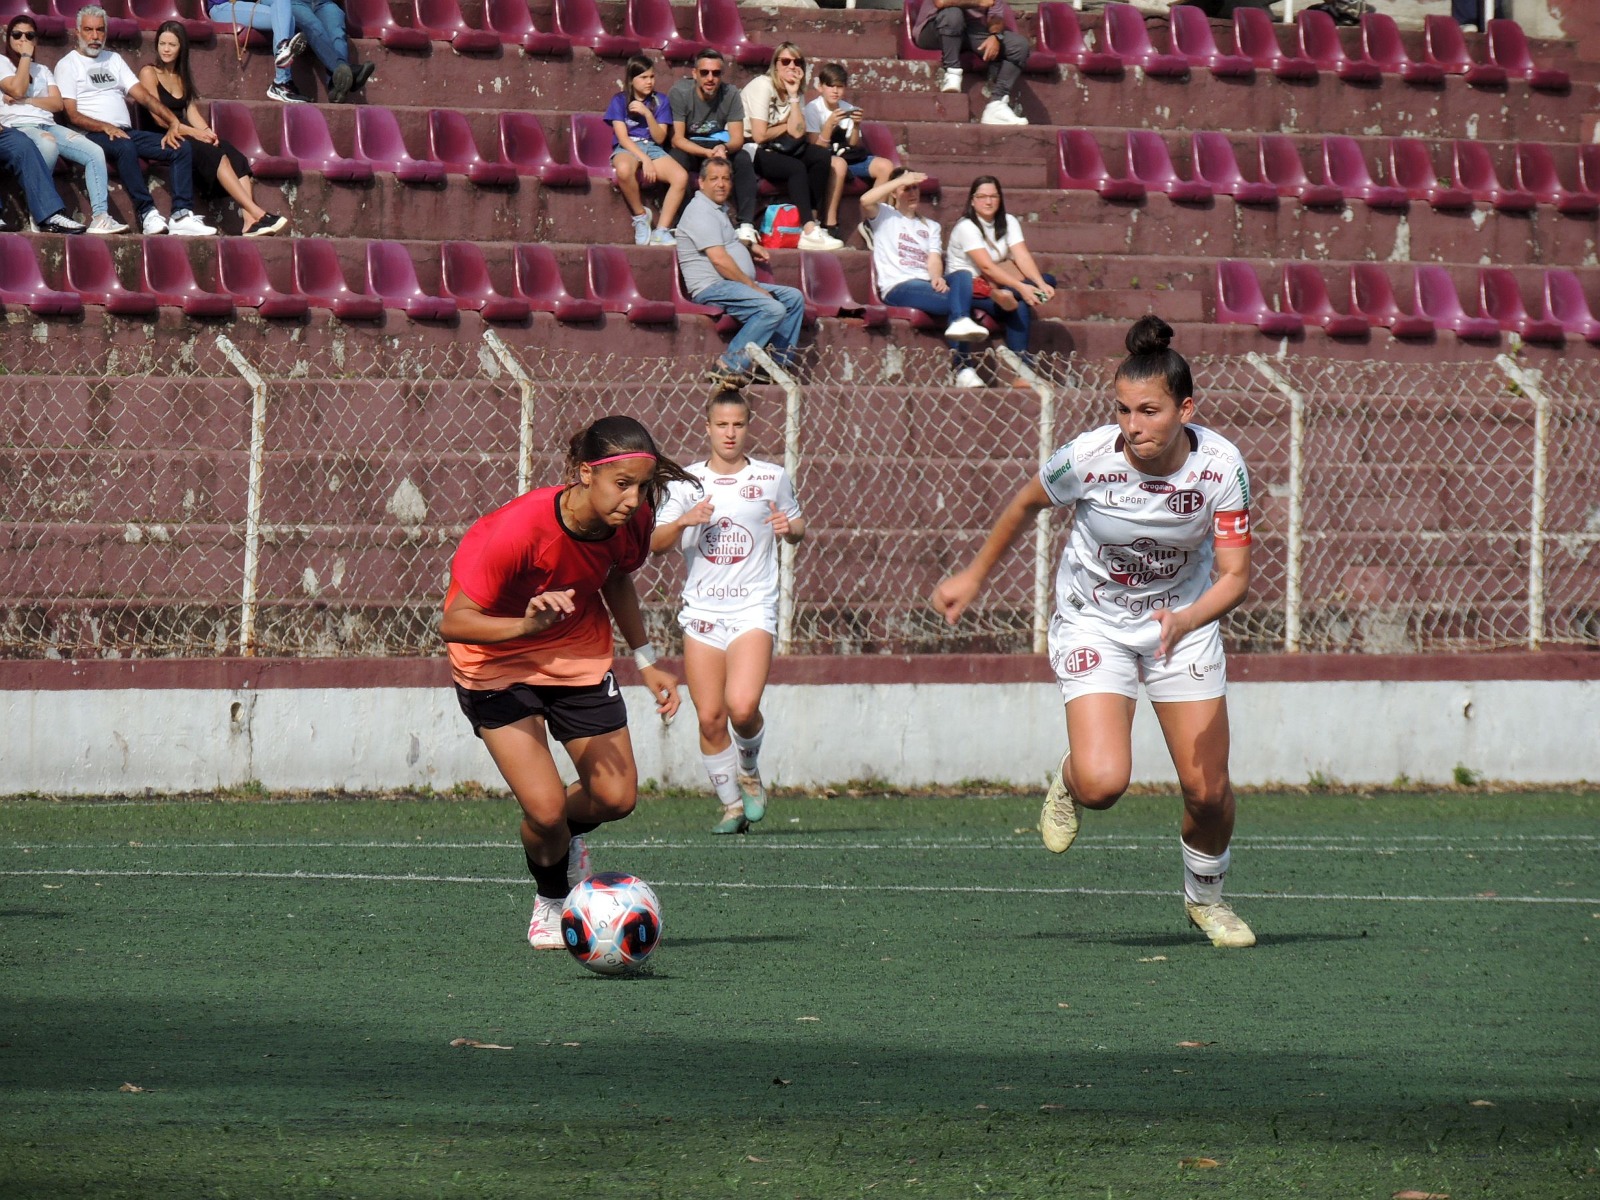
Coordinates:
[787,143]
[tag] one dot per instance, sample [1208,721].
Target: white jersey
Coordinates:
[733,558]
[1143,542]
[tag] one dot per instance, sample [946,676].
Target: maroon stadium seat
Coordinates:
[242,277]
[92,273]
[1438,300]
[392,277]
[22,283]
[120,27]
[1475,172]
[1062,35]
[1319,41]
[651,22]
[1412,168]
[1216,165]
[1381,42]
[373,19]
[1534,170]
[1257,39]
[1081,166]
[1508,49]
[1195,41]
[442,21]
[379,142]
[1240,302]
[450,141]
[1282,167]
[1445,46]
[1372,296]
[49,24]
[823,283]
[152,14]
[167,274]
[524,145]
[1564,301]
[1500,298]
[512,23]
[717,23]
[593,143]
[538,280]
[1345,166]
[1305,293]
[231,121]
[306,139]
[464,278]
[319,278]
[1150,163]
[579,20]
[1123,33]
[611,282]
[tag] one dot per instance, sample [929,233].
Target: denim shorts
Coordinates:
[648,147]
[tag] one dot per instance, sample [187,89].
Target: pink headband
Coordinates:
[595,462]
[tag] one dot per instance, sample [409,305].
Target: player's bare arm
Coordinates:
[1230,587]
[790,529]
[466,621]
[952,597]
[622,599]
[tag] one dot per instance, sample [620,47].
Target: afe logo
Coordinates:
[1159,487]
[751,491]
[1210,476]
[698,626]
[1080,660]
[1107,477]
[1186,503]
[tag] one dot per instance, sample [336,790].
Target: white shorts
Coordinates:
[1087,660]
[718,630]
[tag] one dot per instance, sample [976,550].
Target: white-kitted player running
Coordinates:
[1159,551]
[728,530]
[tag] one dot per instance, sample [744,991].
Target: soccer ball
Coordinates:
[611,923]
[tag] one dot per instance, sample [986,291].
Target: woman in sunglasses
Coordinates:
[775,107]
[31,101]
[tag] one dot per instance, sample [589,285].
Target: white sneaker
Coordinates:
[186,224]
[746,233]
[819,239]
[641,229]
[105,224]
[951,81]
[577,862]
[999,112]
[968,378]
[663,237]
[965,329]
[152,223]
[544,926]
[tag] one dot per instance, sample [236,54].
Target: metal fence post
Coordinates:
[254,490]
[1291,580]
[1528,382]
[1041,523]
[791,464]
[514,368]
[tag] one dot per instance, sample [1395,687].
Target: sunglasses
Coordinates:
[21,35]
[791,62]
[711,72]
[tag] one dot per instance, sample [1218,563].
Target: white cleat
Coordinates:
[1058,819]
[544,926]
[1221,924]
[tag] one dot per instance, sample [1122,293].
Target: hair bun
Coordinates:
[1149,335]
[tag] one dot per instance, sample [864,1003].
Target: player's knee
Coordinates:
[1204,798]
[1097,788]
[616,799]
[744,712]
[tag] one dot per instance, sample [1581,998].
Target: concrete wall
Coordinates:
[1357,732]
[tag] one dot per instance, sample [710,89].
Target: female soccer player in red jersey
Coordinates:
[1159,551]
[530,646]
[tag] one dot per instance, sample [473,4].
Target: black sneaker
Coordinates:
[363,73]
[339,83]
[60,223]
[288,51]
[269,224]
[284,93]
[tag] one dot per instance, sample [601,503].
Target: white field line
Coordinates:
[940,889]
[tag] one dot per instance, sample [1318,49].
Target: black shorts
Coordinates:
[570,712]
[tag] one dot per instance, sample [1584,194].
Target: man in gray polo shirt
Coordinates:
[718,269]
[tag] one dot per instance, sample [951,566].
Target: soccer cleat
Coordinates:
[753,794]
[105,223]
[578,868]
[152,223]
[1000,112]
[951,82]
[544,926]
[340,83]
[1221,924]
[965,329]
[733,820]
[289,50]
[60,223]
[186,224]
[968,378]
[1058,819]
[285,93]
[663,237]
[641,229]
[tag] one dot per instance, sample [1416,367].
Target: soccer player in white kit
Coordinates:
[728,531]
[1159,551]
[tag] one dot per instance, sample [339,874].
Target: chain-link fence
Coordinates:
[307,503]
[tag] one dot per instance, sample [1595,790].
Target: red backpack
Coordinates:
[780,227]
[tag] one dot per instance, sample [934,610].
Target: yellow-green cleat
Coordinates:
[753,794]
[1221,924]
[733,821]
[1058,819]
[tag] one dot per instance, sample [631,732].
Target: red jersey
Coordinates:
[520,550]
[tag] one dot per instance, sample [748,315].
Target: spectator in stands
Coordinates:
[95,86]
[1476,13]
[322,21]
[986,245]
[708,123]
[218,165]
[641,124]
[276,17]
[21,157]
[774,106]
[31,101]
[988,29]
[909,269]
[718,269]
[835,123]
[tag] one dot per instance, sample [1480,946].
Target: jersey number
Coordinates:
[611,685]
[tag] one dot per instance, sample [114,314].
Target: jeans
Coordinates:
[55,141]
[949,33]
[125,153]
[274,15]
[766,318]
[958,302]
[19,155]
[322,21]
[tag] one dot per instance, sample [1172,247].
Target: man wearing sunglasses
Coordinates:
[708,123]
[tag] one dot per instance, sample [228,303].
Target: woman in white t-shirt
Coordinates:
[1159,553]
[728,528]
[987,259]
[31,101]
[775,139]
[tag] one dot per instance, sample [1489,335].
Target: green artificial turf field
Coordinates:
[867,996]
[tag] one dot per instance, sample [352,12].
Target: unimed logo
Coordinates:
[1080,659]
[1186,503]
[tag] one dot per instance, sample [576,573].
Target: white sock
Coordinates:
[749,748]
[1203,875]
[720,767]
